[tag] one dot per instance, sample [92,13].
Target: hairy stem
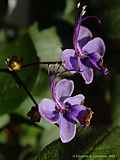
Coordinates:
[38,63]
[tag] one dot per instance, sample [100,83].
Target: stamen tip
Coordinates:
[84,7]
[83,10]
[7,60]
[78,5]
[99,21]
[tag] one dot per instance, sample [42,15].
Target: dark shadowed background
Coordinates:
[34,29]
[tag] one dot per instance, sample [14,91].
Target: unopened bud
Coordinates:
[14,63]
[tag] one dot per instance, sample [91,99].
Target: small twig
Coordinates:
[20,83]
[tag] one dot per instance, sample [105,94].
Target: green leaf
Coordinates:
[69,11]
[51,152]
[88,144]
[108,147]
[115,94]
[11,95]
[38,91]
[85,139]
[50,133]
[46,42]
[31,136]
[4,119]
[47,45]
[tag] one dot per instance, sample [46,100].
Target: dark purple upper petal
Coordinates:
[73,112]
[86,62]
[83,41]
[69,114]
[97,62]
[92,61]
[74,63]
[69,117]
[95,56]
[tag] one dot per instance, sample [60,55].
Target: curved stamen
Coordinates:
[77,28]
[91,17]
[78,22]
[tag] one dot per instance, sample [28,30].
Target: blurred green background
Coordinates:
[40,29]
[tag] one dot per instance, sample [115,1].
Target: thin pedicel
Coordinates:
[16,63]
[37,63]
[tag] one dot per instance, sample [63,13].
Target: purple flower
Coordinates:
[87,54]
[65,110]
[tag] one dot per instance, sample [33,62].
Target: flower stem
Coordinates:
[91,17]
[37,63]
[4,70]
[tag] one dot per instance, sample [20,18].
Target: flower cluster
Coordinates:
[87,54]
[66,110]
